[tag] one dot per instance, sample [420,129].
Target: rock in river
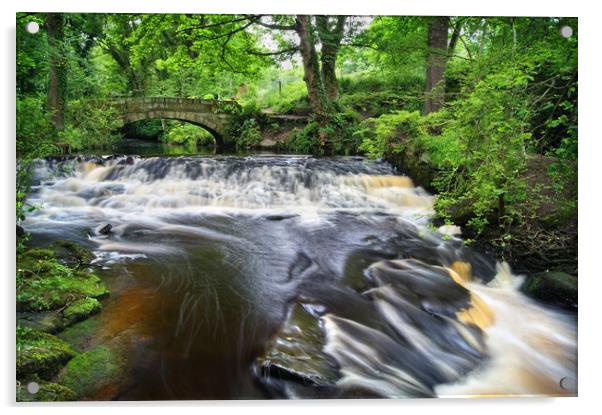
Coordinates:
[295,356]
[552,287]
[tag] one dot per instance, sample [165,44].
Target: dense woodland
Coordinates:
[482,111]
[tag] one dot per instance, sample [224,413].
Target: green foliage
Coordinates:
[373,93]
[89,125]
[34,129]
[45,284]
[32,56]
[249,134]
[332,135]
[304,140]
[387,131]
[477,146]
[481,155]
[245,125]
[188,134]
[293,96]
[144,129]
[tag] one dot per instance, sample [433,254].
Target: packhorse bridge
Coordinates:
[212,115]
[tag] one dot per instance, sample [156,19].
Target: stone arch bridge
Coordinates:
[212,115]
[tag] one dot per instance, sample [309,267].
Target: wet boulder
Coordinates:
[105,230]
[46,321]
[553,287]
[295,352]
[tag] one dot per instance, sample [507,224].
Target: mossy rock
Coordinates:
[48,392]
[72,253]
[81,310]
[81,334]
[40,353]
[39,253]
[553,287]
[93,372]
[57,286]
[46,321]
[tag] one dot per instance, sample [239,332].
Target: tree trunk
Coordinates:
[311,68]
[437,57]
[454,39]
[331,41]
[58,73]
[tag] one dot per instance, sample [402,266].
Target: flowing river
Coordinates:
[293,277]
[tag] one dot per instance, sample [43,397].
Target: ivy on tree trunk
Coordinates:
[316,92]
[330,38]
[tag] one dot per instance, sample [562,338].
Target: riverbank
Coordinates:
[542,246]
[56,290]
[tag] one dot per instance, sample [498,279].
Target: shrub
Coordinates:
[477,147]
[388,131]
[249,134]
[334,135]
[34,129]
[89,125]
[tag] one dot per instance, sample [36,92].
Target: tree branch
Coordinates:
[291,50]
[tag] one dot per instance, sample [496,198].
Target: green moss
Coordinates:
[49,392]
[81,309]
[40,253]
[80,334]
[91,371]
[72,253]
[40,353]
[45,284]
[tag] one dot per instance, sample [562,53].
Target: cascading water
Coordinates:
[297,277]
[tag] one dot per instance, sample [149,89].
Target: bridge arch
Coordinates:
[213,116]
[133,117]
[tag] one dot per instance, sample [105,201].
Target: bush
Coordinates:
[89,125]
[481,153]
[249,134]
[303,141]
[477,147]
[388,132]
[334,135]
[34,129]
